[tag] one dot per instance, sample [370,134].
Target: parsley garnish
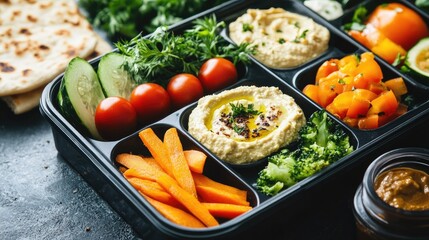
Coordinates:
[247,27]
[358,21]
[239,110]
[398,60]
[161,55]
[301,36]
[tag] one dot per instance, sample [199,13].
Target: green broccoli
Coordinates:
[321,142]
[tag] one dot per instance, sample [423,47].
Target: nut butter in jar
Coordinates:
[393,200]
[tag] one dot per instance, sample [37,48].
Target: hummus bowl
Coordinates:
[95,159]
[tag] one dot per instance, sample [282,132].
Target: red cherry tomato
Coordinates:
[151,102]
[184,88]
[217,73]
[115,117]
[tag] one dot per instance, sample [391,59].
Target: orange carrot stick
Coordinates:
[122,169]
[202,180]
[180,168]
[138,167]
[188,200]
[157,149]
[154,190]
[175,215]
[225,210]
[134,161]
[214,195]
[196,160]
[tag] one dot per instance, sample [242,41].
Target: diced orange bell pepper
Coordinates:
[352,122]
[326,95]
[386,103]
[312,91]
[358,107]
[369,70]
[377,88]
[368,122]
[365,94]
[388,50]
[342,103]
[328,67]
[397,85]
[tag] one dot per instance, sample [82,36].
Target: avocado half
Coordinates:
[414,55]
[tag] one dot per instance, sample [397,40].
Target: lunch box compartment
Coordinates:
[337,43]
[307,76]
[213,169]
[95,161]
[418,80]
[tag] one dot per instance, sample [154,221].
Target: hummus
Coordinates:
[282,39]
[245,124]
[329,9]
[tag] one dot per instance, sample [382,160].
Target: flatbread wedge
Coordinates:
[24,102]
[37,40]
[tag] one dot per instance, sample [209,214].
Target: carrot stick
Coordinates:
[225,210]
[180,168]
[175,215]
[122,169]
[138,167]
[196,160]
[202,180]
[154,190]
[151,161]
[188,200]
[214,195]
[157,149]
[134,161]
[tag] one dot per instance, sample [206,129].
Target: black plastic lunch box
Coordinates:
[94,159]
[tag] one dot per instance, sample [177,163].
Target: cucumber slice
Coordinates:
[114,80]
[418,57]
[80,93]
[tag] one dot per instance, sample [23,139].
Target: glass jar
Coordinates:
[376,219]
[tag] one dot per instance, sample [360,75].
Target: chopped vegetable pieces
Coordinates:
[186,196]
[352,88]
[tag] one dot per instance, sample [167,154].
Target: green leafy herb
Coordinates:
[422,3]
[125,19]
[239,110]
[358,21]
[238,129]
[398,60]
[282,40]
[301,36]
[247,27]
[161,55]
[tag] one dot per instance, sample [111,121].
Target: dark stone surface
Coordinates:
[42,197]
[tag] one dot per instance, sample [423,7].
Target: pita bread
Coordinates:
[37,40]
[24,102]
[41,12]
[30,60]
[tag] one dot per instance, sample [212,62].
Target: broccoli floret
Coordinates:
[310,161]
[278,173]
[321,142]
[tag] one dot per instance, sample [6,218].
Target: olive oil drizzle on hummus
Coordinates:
[242,121]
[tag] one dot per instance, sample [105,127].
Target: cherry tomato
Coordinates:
[115,117]
[399,23]
[184,88]
[151,102]
[217,73]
